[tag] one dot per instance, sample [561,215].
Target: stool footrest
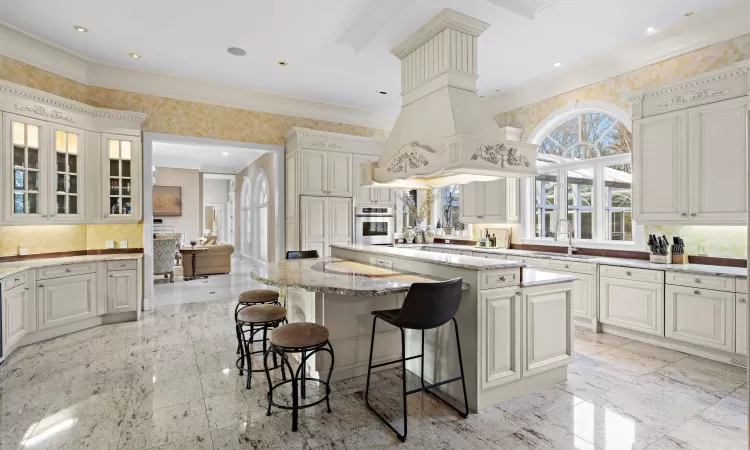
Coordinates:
[395,362]
[428,387]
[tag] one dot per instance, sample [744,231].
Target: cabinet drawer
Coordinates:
[491,279]
[488,255]
[626,273]
[130,264]
[12,281]
[64,271]
[568,266]
[741,285]
[701,281]
[536,263]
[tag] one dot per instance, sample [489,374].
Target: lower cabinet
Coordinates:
[122,286]
[700,316]
[65,300]
[500,331]
[15,313]
[740,313]
[636,305]
[548,328]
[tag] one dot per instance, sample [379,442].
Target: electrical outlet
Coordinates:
[109,244]
[447,241]
[123,244]
[22,251]
[388,264]
[373,260]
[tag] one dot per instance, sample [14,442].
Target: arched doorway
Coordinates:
[260,224]
[246,208]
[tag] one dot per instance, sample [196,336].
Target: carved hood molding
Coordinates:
[443,134]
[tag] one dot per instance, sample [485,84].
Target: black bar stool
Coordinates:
[426,306]
[258,318]
[305,338]
[302,254]
[250,298]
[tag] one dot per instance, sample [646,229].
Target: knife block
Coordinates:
[660,259]
[680,259]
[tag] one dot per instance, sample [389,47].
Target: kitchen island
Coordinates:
[515,324]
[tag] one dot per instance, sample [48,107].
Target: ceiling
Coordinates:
[338,51]
[204,158]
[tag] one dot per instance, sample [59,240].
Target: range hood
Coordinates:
[443,135]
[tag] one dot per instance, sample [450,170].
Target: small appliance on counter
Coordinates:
[659,246]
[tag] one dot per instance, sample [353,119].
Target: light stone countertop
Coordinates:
[697,269]
[535,277]
[332,275]
[463,262]
[13,267]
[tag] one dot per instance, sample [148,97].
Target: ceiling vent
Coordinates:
[526,8]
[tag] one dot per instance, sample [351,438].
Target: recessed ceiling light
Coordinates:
[382,93]
[556,64]
[134,55]
[236,51]
[225,153]
[689,14]
[650,29]
[81,29]
[282,63]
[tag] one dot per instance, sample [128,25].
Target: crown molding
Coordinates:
[698,32]
[29,49]
[447,18]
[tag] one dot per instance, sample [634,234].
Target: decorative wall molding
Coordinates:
[42,111]
[300,138]
[407,161]
[694,96]
[499,154]
[325,144]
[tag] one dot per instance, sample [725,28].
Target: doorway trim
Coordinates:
[148,188]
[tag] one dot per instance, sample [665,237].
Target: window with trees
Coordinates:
[585,177]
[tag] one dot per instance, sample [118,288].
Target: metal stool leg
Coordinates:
[302,370]
[461,365]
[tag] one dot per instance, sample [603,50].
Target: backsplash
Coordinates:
[66,238]
[718,241]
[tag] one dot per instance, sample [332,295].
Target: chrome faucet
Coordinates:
[571,249]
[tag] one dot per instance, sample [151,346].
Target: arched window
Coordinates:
[246,219]
[585,172]
[261,216]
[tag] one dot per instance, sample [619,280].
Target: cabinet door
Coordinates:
[583,294]
[314,172]
[635,305]
[494,198]
[121,178]
[660,168]
[513,199]
[471,198]
[340,175]
[122,291]
[65,300]
[313,224]
[548,328]
[700,316]
[26,176]
[500,336]
[67,201]
[740,327]
[340,225]
[718,162]
[363,195]
[15,310]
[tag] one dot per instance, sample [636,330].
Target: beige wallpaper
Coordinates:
[66,238]
[717,241]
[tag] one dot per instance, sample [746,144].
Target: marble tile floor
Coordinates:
[168,382]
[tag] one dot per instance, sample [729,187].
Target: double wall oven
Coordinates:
[374,225]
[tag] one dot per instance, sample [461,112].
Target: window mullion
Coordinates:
[562,186]
[599,195]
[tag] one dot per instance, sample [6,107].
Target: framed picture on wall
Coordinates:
[167,201]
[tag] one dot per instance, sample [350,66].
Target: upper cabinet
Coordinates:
[490,201]
[60,164]
[690,150]
[326,174]
[366,195]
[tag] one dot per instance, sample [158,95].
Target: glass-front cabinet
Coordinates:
[121,177]
[68,180]
[26,169]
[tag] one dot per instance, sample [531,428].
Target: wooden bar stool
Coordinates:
[249,298]
[258,318]
[307,339]
[426,306]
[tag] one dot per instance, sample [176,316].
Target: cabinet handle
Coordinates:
[567,266]
[697,281]
[628,273]
[17,280]
[684,214]
[502,277]
[41,285]
[697,292]
[693,215]
[26,289]
[122,265]
[741,299]
[68,270]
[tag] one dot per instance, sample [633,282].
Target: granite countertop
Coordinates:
[338,276]
[697,269]
[13,267]
[536,277]
[463,262]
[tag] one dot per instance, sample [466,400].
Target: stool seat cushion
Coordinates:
[299,335]
[258,296]
[261,313]
[388,315]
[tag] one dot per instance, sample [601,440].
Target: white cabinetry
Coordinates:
[700,316]
[690,150]
[364,195]
[121,177]
[631,304]
[26,174]
[325,221]
[65,300]
[490,201]
[122,291]
[326,173]
[15,316]
[547,339]
[740,313]
[500,336]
